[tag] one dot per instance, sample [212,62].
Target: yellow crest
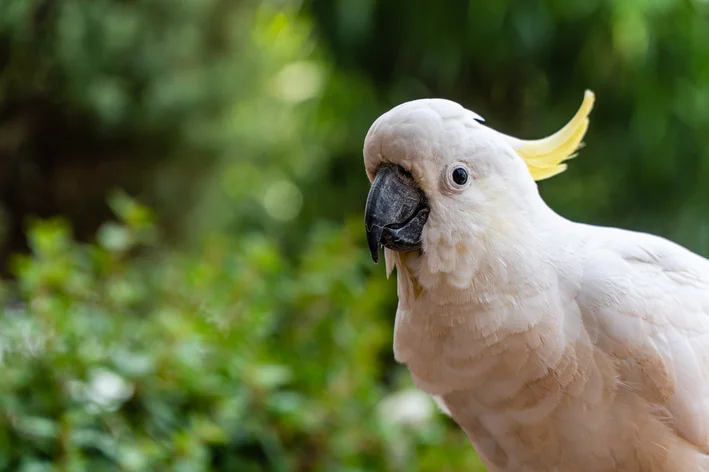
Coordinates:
[545,157]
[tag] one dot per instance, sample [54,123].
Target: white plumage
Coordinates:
[556,346]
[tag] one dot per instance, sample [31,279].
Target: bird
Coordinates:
[554,345]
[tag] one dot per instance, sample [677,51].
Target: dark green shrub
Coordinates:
[234,358]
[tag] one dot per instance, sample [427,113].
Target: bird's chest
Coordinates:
[496,387]
[456,347]
[531,396]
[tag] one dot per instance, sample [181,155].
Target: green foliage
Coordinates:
[230,359]
[176,101]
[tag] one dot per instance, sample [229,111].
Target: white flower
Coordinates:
[409,407]
[108,390]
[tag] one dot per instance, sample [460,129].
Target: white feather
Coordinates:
[555,346]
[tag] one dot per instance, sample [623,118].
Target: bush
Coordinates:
[231,359]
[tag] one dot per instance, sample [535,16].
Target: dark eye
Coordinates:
[460,176]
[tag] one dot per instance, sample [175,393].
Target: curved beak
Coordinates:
[396,212]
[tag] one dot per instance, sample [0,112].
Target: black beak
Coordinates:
[395,213]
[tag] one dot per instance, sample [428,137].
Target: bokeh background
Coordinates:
[185,281]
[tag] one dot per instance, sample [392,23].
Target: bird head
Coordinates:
[439,175]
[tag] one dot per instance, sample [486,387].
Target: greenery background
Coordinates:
[185,281]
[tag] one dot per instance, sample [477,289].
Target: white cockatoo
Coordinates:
[556,346]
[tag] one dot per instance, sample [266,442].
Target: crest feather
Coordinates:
[545,157]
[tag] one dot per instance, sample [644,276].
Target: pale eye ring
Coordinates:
[457,177]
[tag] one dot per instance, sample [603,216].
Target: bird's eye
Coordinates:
[460,176]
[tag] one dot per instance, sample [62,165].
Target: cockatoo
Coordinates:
[554,345]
